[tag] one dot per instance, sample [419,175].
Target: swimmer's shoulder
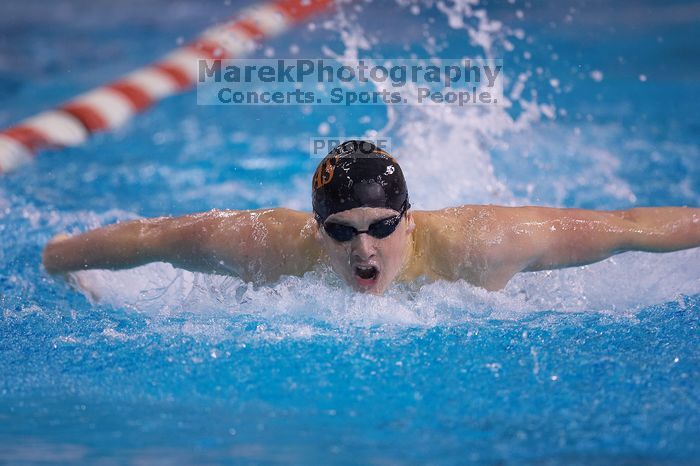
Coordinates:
[286,227]
[275,217]
[288,223]
[456,221]
[292,234]
[453,240]
[279,240]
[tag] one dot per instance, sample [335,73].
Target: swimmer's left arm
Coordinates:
[539,238]
[516,239]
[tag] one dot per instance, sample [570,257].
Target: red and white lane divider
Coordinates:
[111,105]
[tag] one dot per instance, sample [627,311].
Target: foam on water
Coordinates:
[620,285]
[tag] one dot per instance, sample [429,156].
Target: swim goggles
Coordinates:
[380,229]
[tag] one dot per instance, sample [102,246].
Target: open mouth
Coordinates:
[366,275]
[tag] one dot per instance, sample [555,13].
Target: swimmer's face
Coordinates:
[366,263]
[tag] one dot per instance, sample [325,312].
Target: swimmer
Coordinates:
[362,226]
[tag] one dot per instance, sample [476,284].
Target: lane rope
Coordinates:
[111,105]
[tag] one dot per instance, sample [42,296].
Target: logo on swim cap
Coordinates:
[324,173]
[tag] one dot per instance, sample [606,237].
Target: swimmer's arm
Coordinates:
[250,244]
[540,238]
[118,246]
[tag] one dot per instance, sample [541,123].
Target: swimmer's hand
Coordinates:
[51,253]
[59,237]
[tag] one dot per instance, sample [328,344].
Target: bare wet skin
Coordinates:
[484,245]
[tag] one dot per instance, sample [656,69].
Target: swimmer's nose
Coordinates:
[363,246]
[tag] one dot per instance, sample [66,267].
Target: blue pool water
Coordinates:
[596,365]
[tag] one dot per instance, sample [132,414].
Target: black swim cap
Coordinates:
[357,174]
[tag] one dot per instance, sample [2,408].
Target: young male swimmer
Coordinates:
[363,227]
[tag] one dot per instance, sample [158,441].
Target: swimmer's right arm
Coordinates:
[122,245]
[249,244]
